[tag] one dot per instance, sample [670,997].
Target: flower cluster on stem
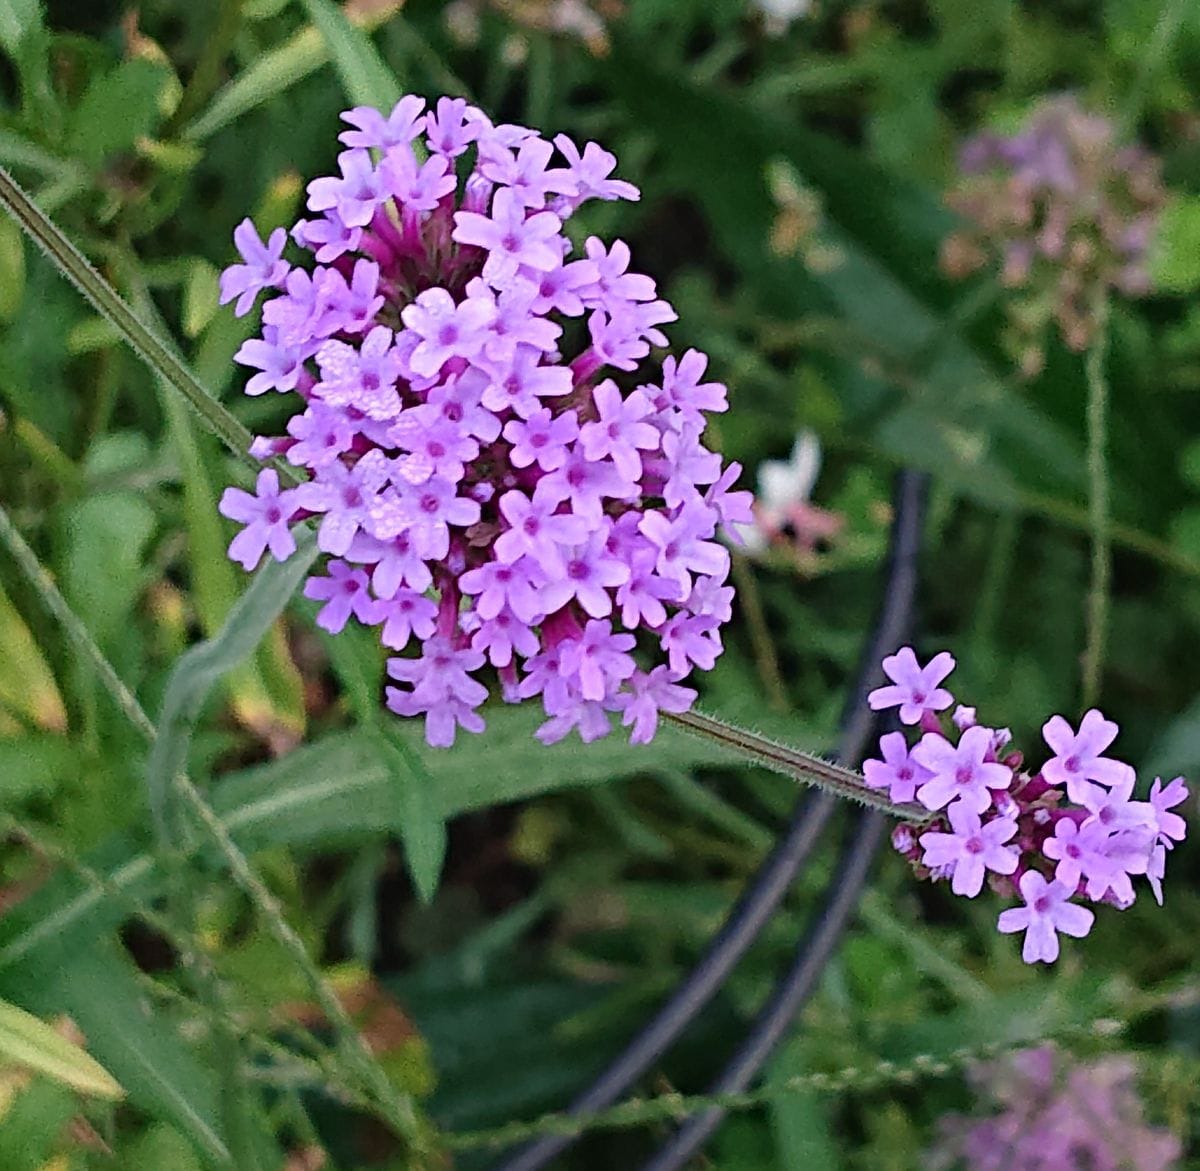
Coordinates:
[1068,212]
[1058,837]
[496,481]
[1043,1111]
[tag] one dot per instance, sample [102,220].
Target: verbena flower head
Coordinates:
[1066,211]
[1053,839]
[1042,1111]
[502,479]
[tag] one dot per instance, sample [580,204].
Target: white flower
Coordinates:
[779,14]
[782,484]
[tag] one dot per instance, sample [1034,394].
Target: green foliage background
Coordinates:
[499,918]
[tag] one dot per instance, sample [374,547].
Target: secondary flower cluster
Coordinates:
[1069,213]
[1068,832]
[483,489]
[1051,1114]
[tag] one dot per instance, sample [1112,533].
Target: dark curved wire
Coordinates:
[778,871]
[790,993]
[821,937]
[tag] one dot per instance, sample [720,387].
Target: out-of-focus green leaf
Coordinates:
[162,1148]
[106,536]
[27,685]
[34,766]
[364,76]
[32,1126]
[1175,257]
[357,658]
[198,671]
[420,821]
[12,269]
[141,1048]
[117,109]
[34,1045]
[200,292]
[17,19]
[273,73]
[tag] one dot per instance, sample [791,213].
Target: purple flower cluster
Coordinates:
[1048,1113]
[1070,831]
[1069,213]
[494,480]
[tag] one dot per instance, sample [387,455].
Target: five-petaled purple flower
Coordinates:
[971,848]
[914,689]
[1046,912]
[960,772]
[1077,755]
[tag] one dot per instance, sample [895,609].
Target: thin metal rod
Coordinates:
[779,870]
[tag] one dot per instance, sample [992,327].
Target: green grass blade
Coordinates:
[364,76]
[201,668]
[273,74]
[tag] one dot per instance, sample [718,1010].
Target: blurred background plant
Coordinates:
[496,921]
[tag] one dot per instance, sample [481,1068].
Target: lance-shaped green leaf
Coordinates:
[34,1045]
[357,659]
[335,792]
[364,76]
[273,73]
[197,671]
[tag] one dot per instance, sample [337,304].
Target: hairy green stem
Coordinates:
[1099,509]
[792,762]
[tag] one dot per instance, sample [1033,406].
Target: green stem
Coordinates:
[1099,514]
[763,645]
[108,303]
[672,1107]
[792,762]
